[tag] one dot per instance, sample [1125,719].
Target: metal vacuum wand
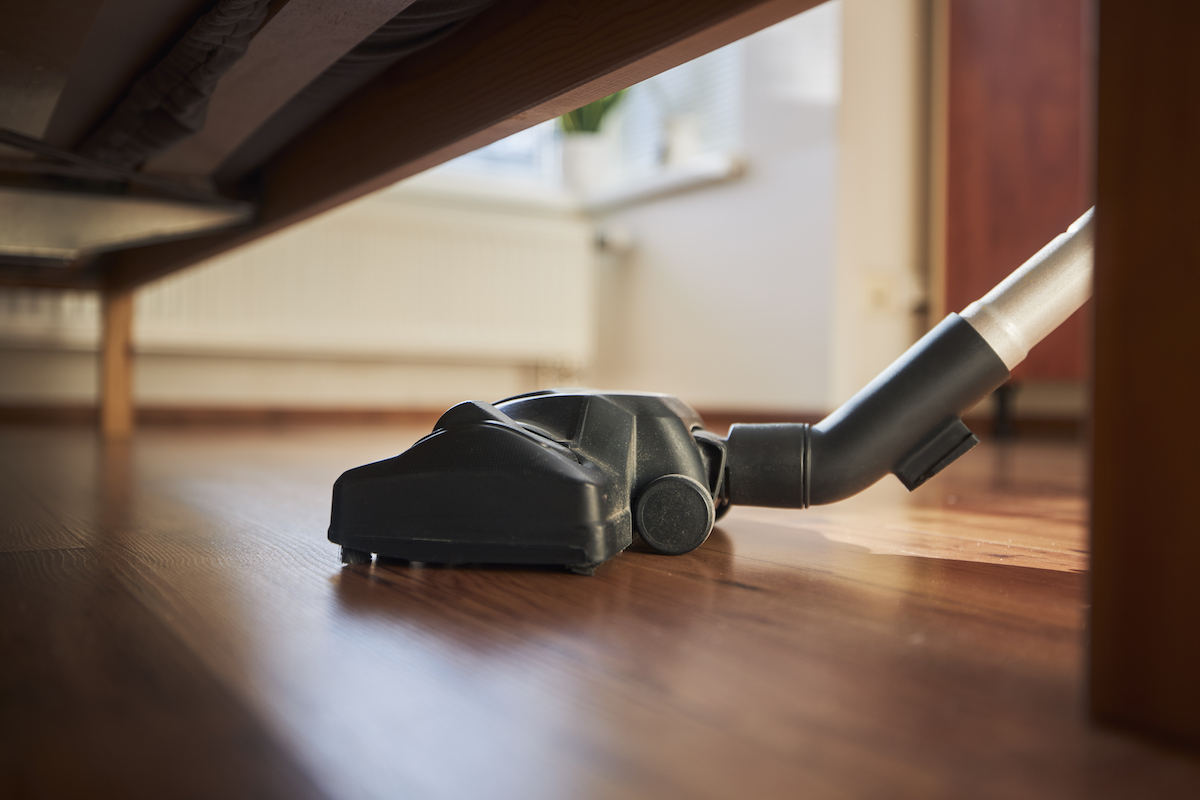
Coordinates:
[1039,296]
[908,420]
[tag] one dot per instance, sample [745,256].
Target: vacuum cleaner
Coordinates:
[567,478]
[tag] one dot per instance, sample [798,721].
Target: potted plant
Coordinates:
[583,149]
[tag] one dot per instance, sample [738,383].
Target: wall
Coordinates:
[725,298]
[881,213]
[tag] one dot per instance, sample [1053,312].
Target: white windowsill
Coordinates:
[699,172]
[447,187]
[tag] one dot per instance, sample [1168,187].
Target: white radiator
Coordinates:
[390,278]
[386,279]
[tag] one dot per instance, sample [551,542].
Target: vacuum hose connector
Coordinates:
[908,420]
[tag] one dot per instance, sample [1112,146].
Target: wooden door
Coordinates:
[1018,150]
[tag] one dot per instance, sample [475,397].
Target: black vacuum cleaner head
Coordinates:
[567,477]
[562,478]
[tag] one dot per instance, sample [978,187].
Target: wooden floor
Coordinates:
[175,624]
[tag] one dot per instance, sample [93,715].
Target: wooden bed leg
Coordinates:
[116,364]
[1145,570]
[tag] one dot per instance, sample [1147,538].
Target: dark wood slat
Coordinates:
[39,43]
[49,277]
[295,46]
[515,65]
[1145,535]
[103,171]
[125,38]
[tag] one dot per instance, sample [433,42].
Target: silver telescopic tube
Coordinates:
[1038,296]
[908,421]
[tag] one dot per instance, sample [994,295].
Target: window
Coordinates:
[686,121]
[690,111]
[531,156]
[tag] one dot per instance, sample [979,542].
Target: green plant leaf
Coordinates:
[587,119]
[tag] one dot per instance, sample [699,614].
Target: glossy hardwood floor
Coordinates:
[176,625]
